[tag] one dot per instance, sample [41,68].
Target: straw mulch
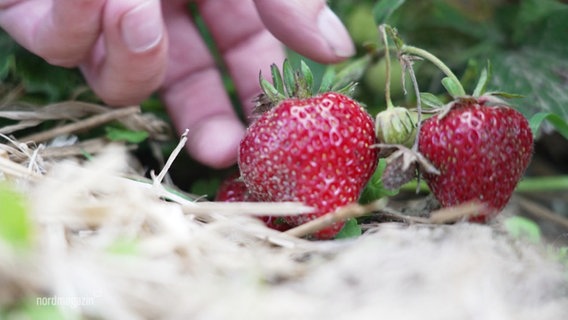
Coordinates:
[109,244]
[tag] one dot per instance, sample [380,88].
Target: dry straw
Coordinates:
[108,246]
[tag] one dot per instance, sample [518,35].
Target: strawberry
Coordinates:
[311,149]
[477,148]
[233,189]
[481,151]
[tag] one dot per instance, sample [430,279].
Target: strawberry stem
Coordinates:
[528,184]
[388,98]
[456,89]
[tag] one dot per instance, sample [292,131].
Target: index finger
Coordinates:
[60,31]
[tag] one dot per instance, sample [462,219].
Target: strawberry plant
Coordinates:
[480,145]
[315,149]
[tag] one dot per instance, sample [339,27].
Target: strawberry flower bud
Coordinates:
[396,125]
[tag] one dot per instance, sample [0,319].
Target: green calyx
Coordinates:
[396,125]
[299,83]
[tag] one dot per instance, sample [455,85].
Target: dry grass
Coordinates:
[107,246]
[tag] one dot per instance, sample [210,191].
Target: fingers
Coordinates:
[128,61]
[247,47]
[60,31]
[308,27]
[194,93]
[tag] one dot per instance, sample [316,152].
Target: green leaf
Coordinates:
[289,78]
[483,80]
[277,79]
[124,246]
[383,9]
[506,95]
[351,229]
[351,73]
[523,228]
[559,254]
[130,136]
[327,80]
[33,309]
[6,65]
[538,69]
[375,189]
[431,100]
[15,226]
[270,90]
[307,75]
[205,187]
[453,88]
[51,83]
[532,12]
[559,123]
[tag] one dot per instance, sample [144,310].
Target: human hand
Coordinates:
[128,49]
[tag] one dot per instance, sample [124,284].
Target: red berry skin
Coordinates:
[315,150]
[234,189]
[481,151]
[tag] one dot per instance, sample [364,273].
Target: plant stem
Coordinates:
[540,184]
[528,184]
[385,40]
[437,62]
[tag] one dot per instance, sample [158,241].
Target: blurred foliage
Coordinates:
[15,225]
[41,82]
[525,41]
[351,229]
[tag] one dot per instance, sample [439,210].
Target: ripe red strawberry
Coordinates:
[233,189]
[316,150]
[481,151]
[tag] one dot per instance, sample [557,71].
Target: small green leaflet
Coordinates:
[453,88]
[374,189]
[482,82]
[558,122]
[35,309]
[431,100]
[15,226]
[383,9]
[351,229]
[131,136]
[523,228]
[124,246]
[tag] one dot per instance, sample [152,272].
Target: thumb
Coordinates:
[307,27]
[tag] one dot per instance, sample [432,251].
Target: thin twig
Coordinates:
[82,125]
[160,177]
[349,211]
[90,146]
[456,213]
[389,214]
[249,208]
[540,211]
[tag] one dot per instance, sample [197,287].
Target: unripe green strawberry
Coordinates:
[311,149]
[396,125]
[481,151]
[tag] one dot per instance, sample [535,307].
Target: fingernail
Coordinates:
[335,33]
[142,27]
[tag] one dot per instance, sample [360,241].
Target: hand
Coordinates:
[128,49]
